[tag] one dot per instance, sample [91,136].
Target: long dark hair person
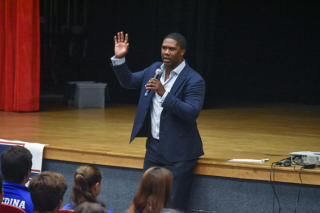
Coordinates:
[87,185]
[154,192]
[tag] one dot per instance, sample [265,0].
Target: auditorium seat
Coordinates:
[5,208]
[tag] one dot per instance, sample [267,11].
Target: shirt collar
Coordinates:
[15,185]
[177,70]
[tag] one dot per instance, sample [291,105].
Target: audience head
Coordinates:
[87,207]
[87,184]
[47,190]
[172,211]
[154,191]
[1,188]
[16,163]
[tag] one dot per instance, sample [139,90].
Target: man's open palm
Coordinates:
[121,45]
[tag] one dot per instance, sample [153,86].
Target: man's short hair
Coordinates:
[16,162]
[1,188]
[46,190]
[87,207]
[180,39]
[1,184]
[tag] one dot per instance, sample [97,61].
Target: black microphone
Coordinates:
[156,75]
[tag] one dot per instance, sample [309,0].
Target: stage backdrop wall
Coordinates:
[245,50]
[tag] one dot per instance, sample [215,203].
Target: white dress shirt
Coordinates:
[157,101]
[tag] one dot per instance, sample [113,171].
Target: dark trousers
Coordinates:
[182,173]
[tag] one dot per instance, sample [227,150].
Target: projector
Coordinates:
[305,157]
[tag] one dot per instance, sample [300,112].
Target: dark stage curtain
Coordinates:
[264,51]
[19,55]
[147,23]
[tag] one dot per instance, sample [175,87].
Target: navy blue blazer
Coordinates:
[179,136]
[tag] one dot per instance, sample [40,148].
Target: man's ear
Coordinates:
[59,204]
[28,174]
[26,178]
[183,51]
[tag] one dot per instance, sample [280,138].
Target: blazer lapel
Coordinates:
[181,78]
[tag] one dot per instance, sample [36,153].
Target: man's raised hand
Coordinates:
[121,45]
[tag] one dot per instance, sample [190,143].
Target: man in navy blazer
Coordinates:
[167,115]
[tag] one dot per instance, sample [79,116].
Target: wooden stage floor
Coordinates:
[101,136]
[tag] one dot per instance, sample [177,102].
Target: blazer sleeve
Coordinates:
[126,78]
[190,102]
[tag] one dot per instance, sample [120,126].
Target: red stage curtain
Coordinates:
[19,55]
